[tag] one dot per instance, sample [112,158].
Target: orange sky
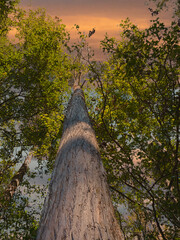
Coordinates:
[104,15]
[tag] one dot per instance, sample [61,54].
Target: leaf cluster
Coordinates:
[137,124]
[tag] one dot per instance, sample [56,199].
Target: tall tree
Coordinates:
[78,205]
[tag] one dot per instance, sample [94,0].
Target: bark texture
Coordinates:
[78,206]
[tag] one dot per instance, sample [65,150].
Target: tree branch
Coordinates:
[18,177]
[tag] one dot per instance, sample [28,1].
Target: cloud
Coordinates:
[104,15]
[103,8]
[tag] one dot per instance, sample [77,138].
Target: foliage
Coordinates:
[160,5]
[137,124]
[6,7]
[18,219]
[133,101]
[33,77]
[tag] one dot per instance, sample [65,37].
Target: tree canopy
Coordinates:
[140,112]
[133,100]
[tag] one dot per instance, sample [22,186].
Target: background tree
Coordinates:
[33,78]
[137,123]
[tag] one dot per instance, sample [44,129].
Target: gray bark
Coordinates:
[78,205]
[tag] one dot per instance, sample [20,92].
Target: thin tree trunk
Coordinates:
[17,179]
[78,205]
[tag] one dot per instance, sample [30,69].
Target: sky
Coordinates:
[103,15]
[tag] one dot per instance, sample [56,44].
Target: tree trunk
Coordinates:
[17,179]
[78,205]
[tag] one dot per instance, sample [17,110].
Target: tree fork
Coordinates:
[78,205]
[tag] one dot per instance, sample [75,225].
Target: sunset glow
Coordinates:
[105,16]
